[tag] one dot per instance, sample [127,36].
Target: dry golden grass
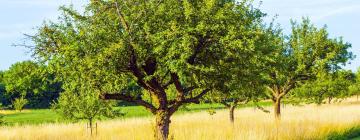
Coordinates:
[306,122]
[7,112]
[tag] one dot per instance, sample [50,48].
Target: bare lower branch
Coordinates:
[225,104]
[261,108]
[128,98]
[121,16]
[177,103]
[196,99]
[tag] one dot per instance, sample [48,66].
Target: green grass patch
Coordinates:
[40,116]
[350,134]
[37,116]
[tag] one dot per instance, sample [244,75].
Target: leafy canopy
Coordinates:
[77,102]
[306,52]
[33,81]
[335,85]
[187,46]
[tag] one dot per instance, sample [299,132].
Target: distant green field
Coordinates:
[39,116]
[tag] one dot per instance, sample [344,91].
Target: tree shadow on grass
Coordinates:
[352,133]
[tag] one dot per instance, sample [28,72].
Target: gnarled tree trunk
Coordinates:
[157,89]
[162,125]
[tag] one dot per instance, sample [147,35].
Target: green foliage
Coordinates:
[326,86]
[247,83]
[355,87]
[31,80]
[2,90]
[173,51]
[305,52]
[19,103]
[78,102]
[78,106]
[165,54]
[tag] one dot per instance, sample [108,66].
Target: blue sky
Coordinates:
[21,16]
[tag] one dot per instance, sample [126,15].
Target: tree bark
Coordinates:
[162,125]
[91,126]
[329,100]
[277,108]
[231,113]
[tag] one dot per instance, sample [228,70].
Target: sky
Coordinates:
[18,17]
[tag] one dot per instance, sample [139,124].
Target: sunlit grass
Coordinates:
[40,116]
[8,112]
[303,122]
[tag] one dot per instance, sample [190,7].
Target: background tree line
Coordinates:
[31,81]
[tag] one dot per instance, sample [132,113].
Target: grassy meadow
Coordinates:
[41,116]
[298,122]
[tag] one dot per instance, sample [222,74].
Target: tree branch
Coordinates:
[178,103]
[196,98]
[121,16]
[261,108]
[189,89]
[199,46]
[168,84]
[225,103]
[162,78]
[121,96]
[287,89]
[179,88]
[136,71]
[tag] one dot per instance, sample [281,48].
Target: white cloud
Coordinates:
[338,11]
[315,9]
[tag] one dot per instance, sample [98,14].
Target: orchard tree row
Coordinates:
[165,54]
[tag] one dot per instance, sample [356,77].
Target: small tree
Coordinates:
[234,94]
[19,103]
[335,85]
[307,51]
[244,83]
[80,103]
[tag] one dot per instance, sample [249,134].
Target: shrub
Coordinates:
[19,103]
